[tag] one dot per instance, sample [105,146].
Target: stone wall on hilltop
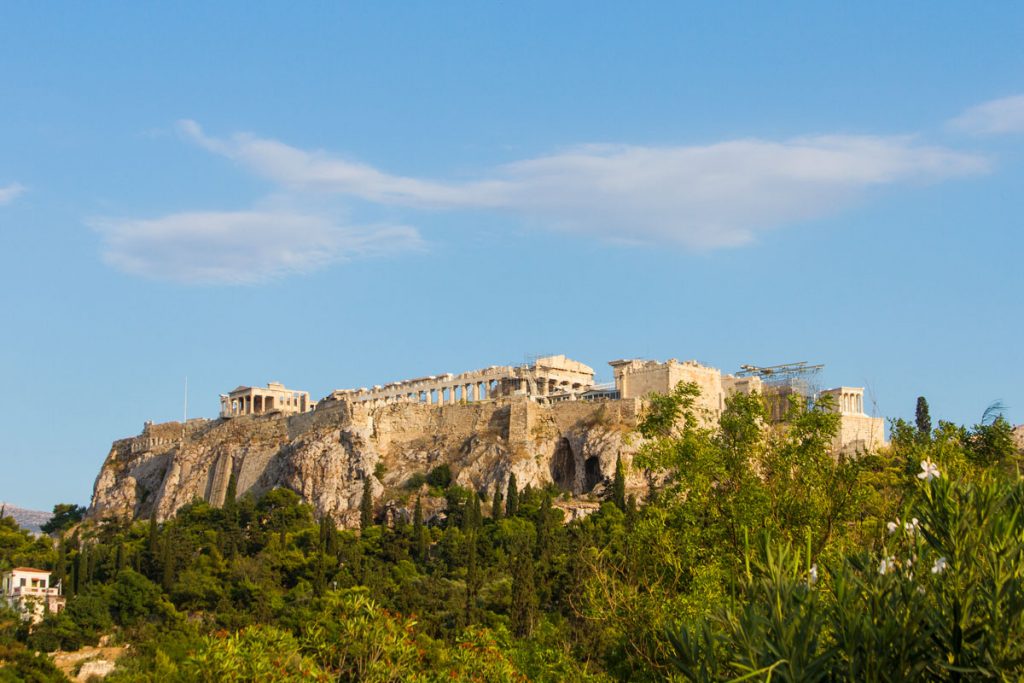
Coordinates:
[324,455]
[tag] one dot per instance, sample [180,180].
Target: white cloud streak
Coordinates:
[1004,116]
[239,247]
[700,197]
[11,192]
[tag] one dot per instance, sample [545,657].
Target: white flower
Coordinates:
[939,566]
[813,573]
[929,470]
[893,526]
[886,565]
[911,526]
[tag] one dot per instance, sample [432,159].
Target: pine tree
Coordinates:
[366,506]
[923,418]
[512,497]
[619,485]
[497,504]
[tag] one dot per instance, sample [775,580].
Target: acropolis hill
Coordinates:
[545,421]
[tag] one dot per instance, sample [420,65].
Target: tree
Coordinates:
[366,506]
[65,515]
[472,574]
[497,504]
[619,485]
[232,492]
[440,476]
[991,443]
[922,418]
[512,497]
[153,547]
[523,610]
[419,533]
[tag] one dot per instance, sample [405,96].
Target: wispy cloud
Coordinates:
[11,192]
[995,117]
[701,197]
[239,247]
[298,169]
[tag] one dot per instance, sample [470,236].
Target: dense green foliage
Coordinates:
[759,554]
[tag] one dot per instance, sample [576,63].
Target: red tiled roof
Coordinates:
[30,569]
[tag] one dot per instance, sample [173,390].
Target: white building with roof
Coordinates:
[28,592]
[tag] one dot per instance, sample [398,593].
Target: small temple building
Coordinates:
[273,398]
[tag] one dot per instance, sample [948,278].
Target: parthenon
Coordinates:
[547,378]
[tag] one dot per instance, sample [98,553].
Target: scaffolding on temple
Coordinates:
[780,382]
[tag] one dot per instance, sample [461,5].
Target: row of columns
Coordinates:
[851,403]
[257,404]
[450,393]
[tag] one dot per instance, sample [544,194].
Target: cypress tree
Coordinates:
[543,525]
[60,570]
[524,592]
[472,577]
[152,548]
[497,503]
[922,418]
[167,562]
[232,492]
[511,497]
[366,506]
[619,485]
[120,561]
[76,573]
[90,564]
[332,537]
[472,517]
[418,532]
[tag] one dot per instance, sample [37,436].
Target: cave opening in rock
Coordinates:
[592,472]
[563,466]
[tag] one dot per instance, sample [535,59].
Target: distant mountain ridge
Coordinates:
[33,520]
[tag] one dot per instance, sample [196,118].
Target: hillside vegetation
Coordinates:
[764,557]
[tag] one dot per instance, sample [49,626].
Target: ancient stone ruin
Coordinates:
[259,400]
[547,422]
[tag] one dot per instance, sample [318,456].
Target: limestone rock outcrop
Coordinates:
[326,454]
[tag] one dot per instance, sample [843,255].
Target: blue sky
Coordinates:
[345,194]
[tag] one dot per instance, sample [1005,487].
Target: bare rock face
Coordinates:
[325,455]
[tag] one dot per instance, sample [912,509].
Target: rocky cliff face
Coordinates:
[326,454]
